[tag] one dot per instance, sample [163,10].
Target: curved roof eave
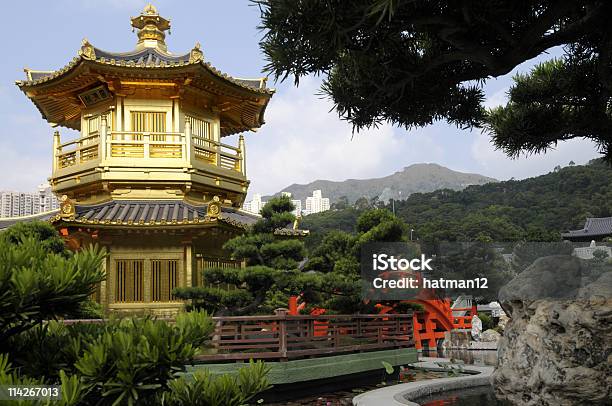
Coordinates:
[136,59]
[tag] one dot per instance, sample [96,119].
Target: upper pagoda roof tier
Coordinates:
[151,58]
[241,102]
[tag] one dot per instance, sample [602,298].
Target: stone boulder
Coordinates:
[503,321]
[490,336]
[557,346]
[476,328]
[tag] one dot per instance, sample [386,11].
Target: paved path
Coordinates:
[402,394]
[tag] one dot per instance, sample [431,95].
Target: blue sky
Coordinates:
[302,140]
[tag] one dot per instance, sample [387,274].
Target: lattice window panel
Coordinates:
[129,281]
[199,127]
[149,121]
[203,263]
[164,278]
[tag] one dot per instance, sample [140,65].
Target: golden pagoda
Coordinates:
[150,177]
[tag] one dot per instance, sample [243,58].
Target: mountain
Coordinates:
[534,209]
[417,178]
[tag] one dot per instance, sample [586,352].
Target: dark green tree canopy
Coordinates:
[270,276]
[415,62]
[37,283]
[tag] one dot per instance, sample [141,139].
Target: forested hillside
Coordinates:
[537,208]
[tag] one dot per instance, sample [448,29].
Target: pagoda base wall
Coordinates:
[169,309]
[142,269]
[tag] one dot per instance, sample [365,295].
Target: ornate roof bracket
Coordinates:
[87,50]
[196,54]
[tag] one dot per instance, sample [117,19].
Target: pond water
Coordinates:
[345,397]
[466,397]
[479,396]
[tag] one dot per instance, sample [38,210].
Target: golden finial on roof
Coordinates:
[87,50]
[150,9]
[151,28]
[196,54]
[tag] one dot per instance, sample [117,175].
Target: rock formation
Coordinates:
[556,349]
[490,336]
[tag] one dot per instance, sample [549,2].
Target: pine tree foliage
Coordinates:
[412,63]
[38,283]
[271,274]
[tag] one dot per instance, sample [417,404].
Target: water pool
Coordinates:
[478,396]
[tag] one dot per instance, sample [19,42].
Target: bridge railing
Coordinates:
[284,336]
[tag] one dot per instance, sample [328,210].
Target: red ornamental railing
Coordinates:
[283,336]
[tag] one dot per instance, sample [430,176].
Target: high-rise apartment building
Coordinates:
[16,204]
[297,211]
[48,201]
[316,203]
[254,205]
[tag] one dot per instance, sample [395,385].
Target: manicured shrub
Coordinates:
[38,284]
[225,390]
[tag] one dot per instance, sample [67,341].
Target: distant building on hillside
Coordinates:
[316,203]
[595,228]
[589,252]
[18,204]
[296,203]
[254,205]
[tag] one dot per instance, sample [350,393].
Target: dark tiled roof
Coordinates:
[9,221]
[594,226]
[36,75]
[128,212]
[152,213]
[142,58]
[147,56]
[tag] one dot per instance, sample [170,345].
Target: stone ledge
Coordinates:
[403,394]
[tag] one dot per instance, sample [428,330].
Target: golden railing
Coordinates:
[133,144]
[216,153]
[78,151]
[186,147]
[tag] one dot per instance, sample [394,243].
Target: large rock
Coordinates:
[490,336]
[556,349]
[503,321]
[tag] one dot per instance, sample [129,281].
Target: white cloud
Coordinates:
[303,141]
[498,98]
[23,172]
[496,164]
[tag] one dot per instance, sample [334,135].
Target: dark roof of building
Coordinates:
[93,66]
[149,58]
[154,213]
[594,226]
[145,56]
[151,213]
[9,221]
[163,213]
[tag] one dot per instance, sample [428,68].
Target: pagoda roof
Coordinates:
[160,213]
[593,227]
[240,102]
[150,214]
[7,222]
[149,58]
